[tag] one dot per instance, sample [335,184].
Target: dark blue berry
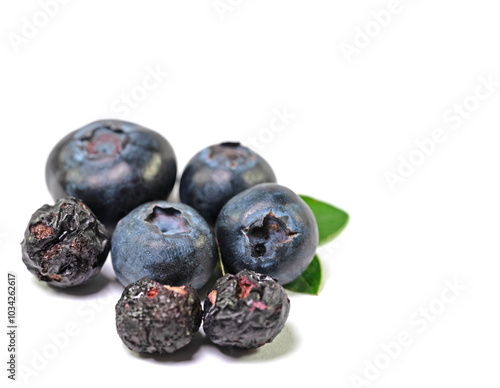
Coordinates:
[268,229]
[168,242]
[113,166]
[219,172]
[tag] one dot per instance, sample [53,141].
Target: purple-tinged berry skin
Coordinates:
[246,310]
[168,242]
[64,244]
[268,229]
[156,318]
[113,166]
[219,172]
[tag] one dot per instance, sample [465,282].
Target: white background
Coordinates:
[355,118]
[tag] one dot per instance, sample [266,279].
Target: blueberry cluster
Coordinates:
[113,177]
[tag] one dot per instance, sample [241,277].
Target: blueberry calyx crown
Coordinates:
[168,220]
[104,142]
[267,234]
[232,153]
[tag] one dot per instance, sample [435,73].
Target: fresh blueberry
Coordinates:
[268,229]
[246,310]
[113,166]
[168,242]
[65,244]
[219,172]
[156,318]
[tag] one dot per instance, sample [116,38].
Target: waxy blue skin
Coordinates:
[168,242]
[267,229]
[219,172]
[113,166]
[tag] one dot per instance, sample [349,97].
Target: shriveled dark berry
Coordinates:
[156,318]
[246,310]
[65,244]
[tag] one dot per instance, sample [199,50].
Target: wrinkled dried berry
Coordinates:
[246,310]
[65,244]
[156,318]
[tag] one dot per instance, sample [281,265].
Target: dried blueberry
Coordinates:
[65,244]
[246,310]
[156,318]
[219,172]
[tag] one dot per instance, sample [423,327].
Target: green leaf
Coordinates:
[309,281]
[331,220]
